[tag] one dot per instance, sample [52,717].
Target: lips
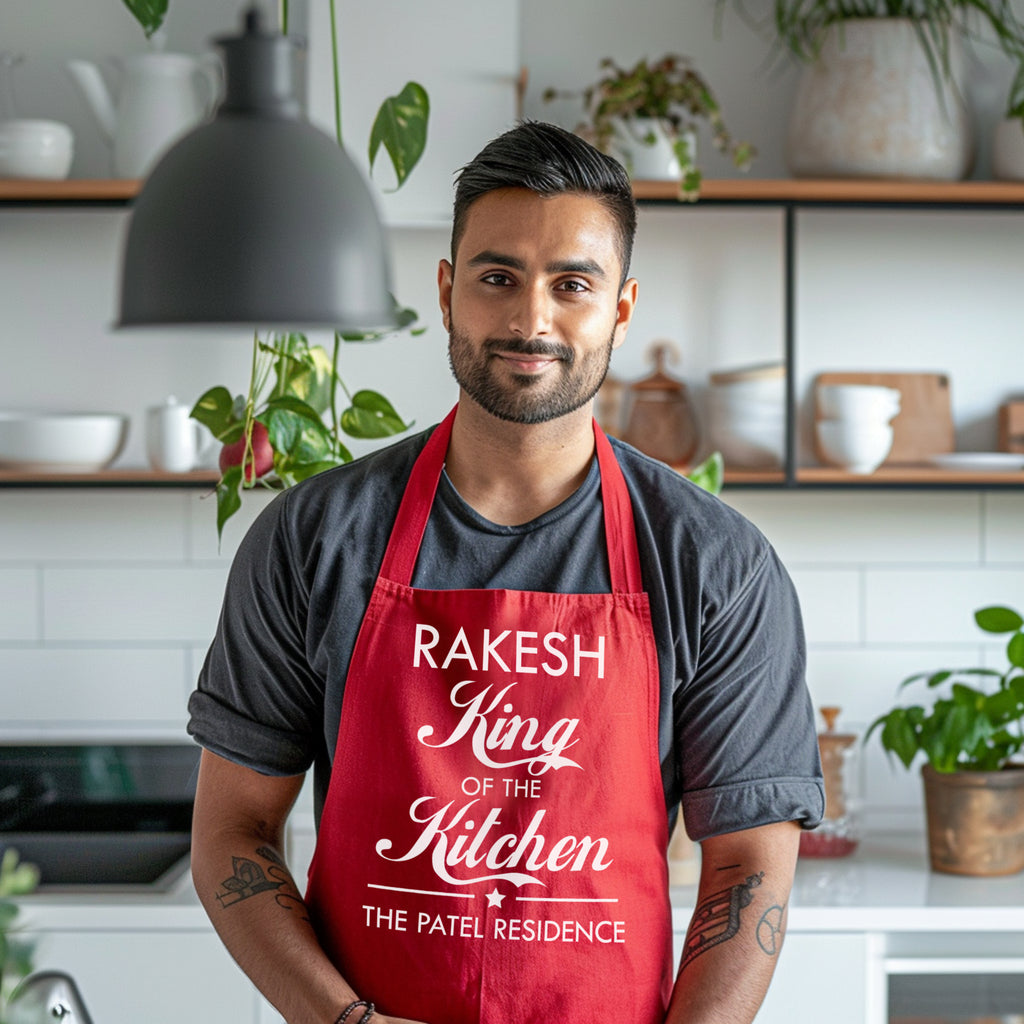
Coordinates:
[528,356]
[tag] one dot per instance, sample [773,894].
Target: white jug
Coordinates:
[173,439]
[161,97]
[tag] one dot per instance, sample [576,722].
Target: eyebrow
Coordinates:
[581,266]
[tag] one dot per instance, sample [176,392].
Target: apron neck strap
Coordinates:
[414,511]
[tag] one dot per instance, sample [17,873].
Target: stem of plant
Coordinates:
[337,74]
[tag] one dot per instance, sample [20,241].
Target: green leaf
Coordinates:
[401,127]
[997,619]
[216,411]
[308,469]
[149,14]
[287,418]
[371,416]
[1015,650]
[229,498]
[709,474]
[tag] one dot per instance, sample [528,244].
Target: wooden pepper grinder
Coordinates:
[660,421]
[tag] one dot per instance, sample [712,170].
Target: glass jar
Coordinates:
[839,832]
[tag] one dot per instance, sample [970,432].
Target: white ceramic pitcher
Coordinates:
[161,96]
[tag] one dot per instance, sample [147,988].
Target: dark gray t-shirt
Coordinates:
[737,742]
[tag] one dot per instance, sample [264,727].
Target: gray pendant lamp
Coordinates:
[256,218]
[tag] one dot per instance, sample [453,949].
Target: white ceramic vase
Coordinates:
[1008,149]
[647,161]
[870,107]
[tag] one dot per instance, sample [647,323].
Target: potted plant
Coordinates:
[629,112]
[882,90]
[970,736]
[16,879]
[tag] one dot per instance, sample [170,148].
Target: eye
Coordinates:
[573,285]
[497,277]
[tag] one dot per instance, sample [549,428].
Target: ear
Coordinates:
[444,292]
[624,311]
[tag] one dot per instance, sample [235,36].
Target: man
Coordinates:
[509,648]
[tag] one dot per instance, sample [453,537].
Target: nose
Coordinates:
[531,313]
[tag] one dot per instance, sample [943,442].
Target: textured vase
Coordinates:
[871,106]
[1008,150]
[975,821]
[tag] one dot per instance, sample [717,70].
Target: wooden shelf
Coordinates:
[922,475]
[32,190]
[739,190]
[112,478]
[825,191]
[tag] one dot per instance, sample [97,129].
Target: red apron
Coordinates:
[492,847]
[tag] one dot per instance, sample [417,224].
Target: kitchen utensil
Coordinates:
[161,97]
[61,442]
[863,402]
[29,147]
[854,447]
[839,831]
[1011,426]
[924,425]
[660,421]
[173,439]
[746,413]
[981,462]
[47,996]
[35,149]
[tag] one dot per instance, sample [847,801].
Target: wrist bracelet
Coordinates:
[368,1011]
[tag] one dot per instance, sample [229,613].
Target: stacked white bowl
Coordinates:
[746,415]
[855,425]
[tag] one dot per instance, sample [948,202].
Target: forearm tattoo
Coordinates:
[717,918]
[250,879]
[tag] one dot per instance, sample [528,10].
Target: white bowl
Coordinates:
[35,149]
[864,402]
[61,442]
[855,448]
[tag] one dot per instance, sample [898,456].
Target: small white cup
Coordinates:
[866,403]
[35,149]
[173,439]
[853,447]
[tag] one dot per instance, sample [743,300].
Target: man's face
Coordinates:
[533,306]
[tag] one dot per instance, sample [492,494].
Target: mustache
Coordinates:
[528,347]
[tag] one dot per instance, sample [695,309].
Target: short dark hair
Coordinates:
[550,161]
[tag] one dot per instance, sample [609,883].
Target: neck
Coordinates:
[511,473]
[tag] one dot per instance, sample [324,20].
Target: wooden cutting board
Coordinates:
[924,426]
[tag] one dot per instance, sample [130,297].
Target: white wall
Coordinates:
[108,598]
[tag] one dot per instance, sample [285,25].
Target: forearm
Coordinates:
[735,934]
[257,910]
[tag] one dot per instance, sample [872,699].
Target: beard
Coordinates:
[528,398]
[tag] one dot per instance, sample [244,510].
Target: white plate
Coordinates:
[987,462]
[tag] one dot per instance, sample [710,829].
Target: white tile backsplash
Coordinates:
[108,602]
[63,687]
[1004,528]
[846,527]
[19,604]
[830,600]
[132,605]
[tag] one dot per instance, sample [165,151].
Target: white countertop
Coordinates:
[885,886]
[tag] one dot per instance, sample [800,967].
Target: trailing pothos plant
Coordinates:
[288,425]
[968,727]
[670,92]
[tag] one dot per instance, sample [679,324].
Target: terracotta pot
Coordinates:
[975,821]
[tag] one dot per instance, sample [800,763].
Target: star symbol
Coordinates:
[494,897]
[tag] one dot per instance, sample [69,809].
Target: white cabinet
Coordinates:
[467,58]
[161,977]
[830,977]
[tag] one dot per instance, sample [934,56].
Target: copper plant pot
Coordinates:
[975,821]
